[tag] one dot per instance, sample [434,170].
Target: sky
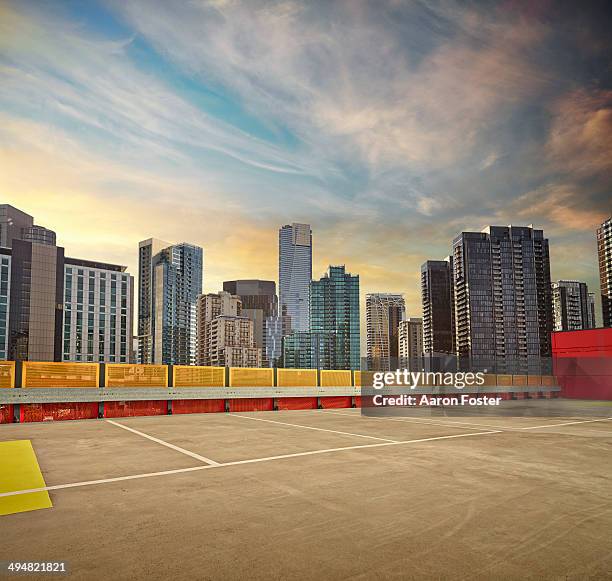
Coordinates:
[389,126]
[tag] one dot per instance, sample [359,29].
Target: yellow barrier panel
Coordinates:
[251,377]
[192,376]
[519,380]
[51,374]
[335,378]
[296,377]
[534,380]
[7,374]
[126,375]
[504,380]
[490,379]
[548,381]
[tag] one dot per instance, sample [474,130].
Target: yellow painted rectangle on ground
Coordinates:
[19,470]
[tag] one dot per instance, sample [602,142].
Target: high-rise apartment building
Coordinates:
[55,308]
[437,297]
[170,281]
[604,249]
[334,309]
[260,304]
[573,310]
[384,312]
[225,335]
[503,303]
[97,322]
[295,274]
[410,344]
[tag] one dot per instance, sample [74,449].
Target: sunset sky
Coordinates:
[390,127]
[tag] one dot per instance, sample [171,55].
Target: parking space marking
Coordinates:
[167,444]
[313,428]
[566,424]
[415,420]
[239,463]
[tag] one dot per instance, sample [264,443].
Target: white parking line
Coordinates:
[313,428]
[416,420]
[167,444]
[566,424]
[237,463]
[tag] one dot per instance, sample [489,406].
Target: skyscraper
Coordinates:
[410,342]
[170,280]
[334,309]
[260,304]
[604,249]
[572,309]
[503,301]
[438,306]
[295,274]
[383,315]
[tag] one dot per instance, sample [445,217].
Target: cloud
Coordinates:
[343,79]
[560,204]
[580,141]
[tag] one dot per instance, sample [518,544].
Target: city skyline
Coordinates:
[448,119]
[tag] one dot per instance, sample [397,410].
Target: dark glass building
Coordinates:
[503,300]
[438,307]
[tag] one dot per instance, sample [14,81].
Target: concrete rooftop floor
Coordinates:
[320,495]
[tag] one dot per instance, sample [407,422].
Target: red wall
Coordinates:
[582,362]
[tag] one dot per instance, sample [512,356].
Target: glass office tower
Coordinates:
[170,281]
[335,309]
[295,274]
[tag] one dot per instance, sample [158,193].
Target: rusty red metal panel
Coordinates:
[338,401]
[264,404]
[6,414]
[197,406]
[126,409]
[296,403]
[46,412]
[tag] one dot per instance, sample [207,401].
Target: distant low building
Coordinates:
[411,344]
[573,306]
